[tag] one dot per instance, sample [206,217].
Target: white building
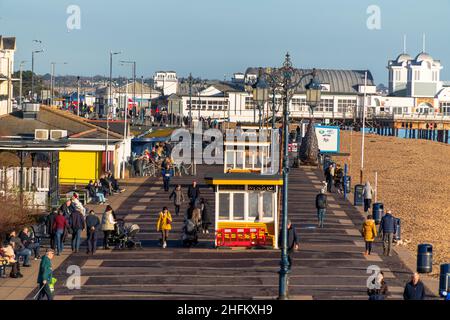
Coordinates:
[7,49]
[166,81]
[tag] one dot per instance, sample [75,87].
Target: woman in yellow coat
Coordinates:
[369,232]
[164,225]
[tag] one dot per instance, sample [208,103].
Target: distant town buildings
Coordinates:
[166,81]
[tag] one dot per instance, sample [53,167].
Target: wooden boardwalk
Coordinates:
[329,265]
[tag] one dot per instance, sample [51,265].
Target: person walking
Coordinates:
[59,226]
[178,198]
[92,225]
[329,176]
[378,289]
[108,223]
[368,195]
[321,206]
[414,289]
[193,192]
[167,173]
[76,223]
[369,232]
[292,242]
[206,220]
[164,225]
[388,228]
[45,276]
[49,223]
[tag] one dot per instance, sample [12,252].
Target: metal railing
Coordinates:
[34,179]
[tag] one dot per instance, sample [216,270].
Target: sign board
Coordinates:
[328,138]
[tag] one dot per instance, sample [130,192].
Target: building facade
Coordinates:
[7,50]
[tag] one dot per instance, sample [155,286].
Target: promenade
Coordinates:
[329,265]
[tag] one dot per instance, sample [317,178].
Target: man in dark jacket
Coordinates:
[91,190]
[414,290]
[292,242]
[67,208]
[76,222]
[388,228]
[50,220]
[45,276]
[321,206]
[92,225]
[20,250]
[329,177]
[193,192]
[30,242]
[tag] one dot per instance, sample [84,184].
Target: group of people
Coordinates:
[107,185]
[70,219]
[334,176]
[196,218]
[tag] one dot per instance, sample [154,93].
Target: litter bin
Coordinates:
[444,279]
[359,198]
[377,212]
[398,234]
[425,258]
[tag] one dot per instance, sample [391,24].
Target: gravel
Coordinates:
[413,181]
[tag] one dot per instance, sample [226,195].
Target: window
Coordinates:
[445,108]
[397,75]
[238,206]
[249,103]
[416,75]
[326,105]
[346,105]
[435,76]
[253,201]
[268,204]
[224,207]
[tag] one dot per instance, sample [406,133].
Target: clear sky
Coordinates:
[213,38]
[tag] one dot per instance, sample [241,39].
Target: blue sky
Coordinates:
[213,38]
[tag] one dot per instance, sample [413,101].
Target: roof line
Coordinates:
[69,116]
[79,134]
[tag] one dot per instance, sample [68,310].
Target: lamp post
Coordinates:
[260,94]
[32,71]
[190,79]
[287,79]
[78,96]
[52,80]
[21,82]
[109,105]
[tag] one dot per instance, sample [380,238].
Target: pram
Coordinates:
[124,235]
[189,237]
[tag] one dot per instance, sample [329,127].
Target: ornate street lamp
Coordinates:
[287,79]
[309,148]
[260,94]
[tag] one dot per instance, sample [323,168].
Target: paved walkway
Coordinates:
[329,265]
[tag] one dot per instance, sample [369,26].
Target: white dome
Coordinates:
[403,57]
[423,57]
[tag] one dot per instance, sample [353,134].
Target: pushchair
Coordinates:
[124,235]
[190,236]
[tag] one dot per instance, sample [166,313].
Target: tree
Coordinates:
[26,83]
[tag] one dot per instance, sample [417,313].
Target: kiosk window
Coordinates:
[224,206]
[238,206]
[268,204]
[253,205]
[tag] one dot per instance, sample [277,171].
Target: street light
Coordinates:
[133,110]
[109,105]
[260,94]
[52,80]
[32,70]
[190,79]
[287,79]
[21,81]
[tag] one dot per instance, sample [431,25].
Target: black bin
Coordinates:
[425,258]
[377,212]
[358,197]
[398,234]
[444,279]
